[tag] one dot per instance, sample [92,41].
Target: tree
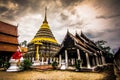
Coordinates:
[26,65]
[24,43]
[78,62]
[106,49]
[100,44]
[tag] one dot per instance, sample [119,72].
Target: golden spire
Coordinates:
[45,19]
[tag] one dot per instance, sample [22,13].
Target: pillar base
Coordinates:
[36,63]
[63,66]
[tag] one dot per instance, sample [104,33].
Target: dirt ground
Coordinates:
[107,73]
[52,75]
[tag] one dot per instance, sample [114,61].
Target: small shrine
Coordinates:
[16,59]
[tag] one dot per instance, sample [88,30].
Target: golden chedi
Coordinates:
[43,46]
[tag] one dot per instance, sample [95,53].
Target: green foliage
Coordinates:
[109,58]
[6,65]
[24,43]
[25,65]
[78,64]
[1,62]
[106,49]
[101,45]
[54,65]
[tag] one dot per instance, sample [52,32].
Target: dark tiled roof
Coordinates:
[8,37]
[8,29]
[84,44]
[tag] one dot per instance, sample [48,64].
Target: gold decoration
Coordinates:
[37,53]
[43,39]
[45,25]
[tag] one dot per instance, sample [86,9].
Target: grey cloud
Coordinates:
[3,9]
[78,24]
[94,35]
[4,1]
[63,16]
[8,15]
[109,8]
[67,3]
[24,7]
[107,17]
[107,4]
[114,29]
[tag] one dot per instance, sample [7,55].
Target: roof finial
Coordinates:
[45,19]
[67,30]
[81,32]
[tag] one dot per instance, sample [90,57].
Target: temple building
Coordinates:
[8,41]
[79,47]
[43,46]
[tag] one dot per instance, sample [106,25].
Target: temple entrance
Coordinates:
[83,59]
[72,57]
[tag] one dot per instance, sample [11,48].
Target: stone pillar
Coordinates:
[88,61]
[54,59]
[79,57]
[78,53]
[33,59]
[100,60]
[93,61]
[72,61]
[60,59]
[42,61]
[51,60]
[57,60]
[36,62]
[66,58]
[37,53]
[96,59]
[103,59]
[47,60]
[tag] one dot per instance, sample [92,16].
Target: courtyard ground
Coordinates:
[106,74]
[51,75]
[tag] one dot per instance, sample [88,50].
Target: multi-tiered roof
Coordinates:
[8,37]
[80,41]
[46,40]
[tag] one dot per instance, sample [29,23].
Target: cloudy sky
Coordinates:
[98,19]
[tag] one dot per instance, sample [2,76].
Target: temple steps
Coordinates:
[86,69]
[42,67]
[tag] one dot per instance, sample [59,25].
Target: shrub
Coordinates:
[25,65]
[78,64]
[54,65]
[6,65]
[1,62]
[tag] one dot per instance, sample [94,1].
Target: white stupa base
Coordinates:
[13,66]
[13,69]
[36,63]
[63,66]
